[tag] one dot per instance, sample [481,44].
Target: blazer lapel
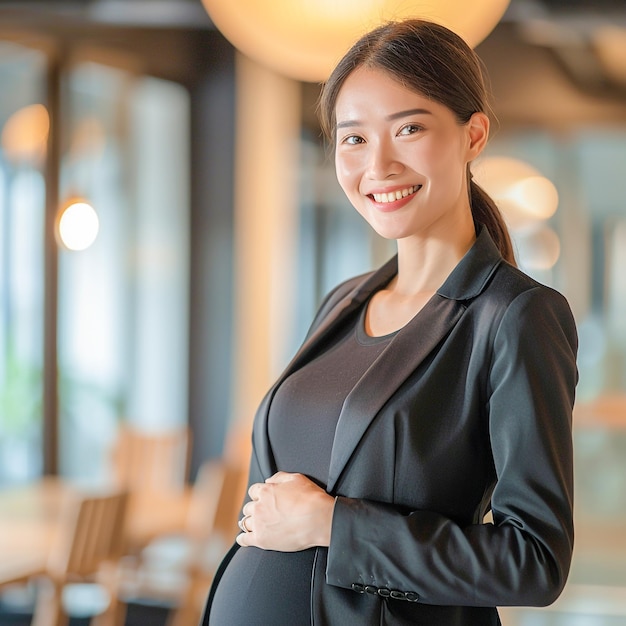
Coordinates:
[409,348]
[401,357]
[346,305]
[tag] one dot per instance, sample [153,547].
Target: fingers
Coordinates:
[248,507]
[245,540]
[246,527]
[243,524]
[257,493]
[281,477]
[256,489]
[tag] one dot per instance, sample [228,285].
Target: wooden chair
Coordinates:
[153,467]
[211,529]
[182,580]
[151,461]
[87,547]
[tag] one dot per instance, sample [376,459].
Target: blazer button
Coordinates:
[383,592]
[411,596]
[371,589]
[358,588]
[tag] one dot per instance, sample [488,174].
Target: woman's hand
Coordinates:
[287,513]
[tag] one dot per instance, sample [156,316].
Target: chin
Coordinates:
[390,234]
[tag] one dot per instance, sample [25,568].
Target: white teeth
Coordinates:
[395,195]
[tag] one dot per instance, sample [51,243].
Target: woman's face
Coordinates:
[401,159]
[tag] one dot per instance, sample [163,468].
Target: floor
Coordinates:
[138,615]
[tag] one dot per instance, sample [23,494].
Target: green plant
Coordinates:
[20,394]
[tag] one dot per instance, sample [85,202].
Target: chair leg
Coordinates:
[184,616]
[189,611]
[115,613]
[49,604]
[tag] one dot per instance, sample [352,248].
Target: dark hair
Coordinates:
[436,63]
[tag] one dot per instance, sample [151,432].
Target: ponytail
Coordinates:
[485,212]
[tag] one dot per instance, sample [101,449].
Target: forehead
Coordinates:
[371,90]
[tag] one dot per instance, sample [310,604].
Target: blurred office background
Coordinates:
[212,253]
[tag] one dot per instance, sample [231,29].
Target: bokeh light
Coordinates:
[25,134]
[524,196]
[78,226]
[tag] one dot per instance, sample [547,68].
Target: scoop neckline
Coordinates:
[364,338]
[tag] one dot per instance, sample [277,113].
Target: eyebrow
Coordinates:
[389,118]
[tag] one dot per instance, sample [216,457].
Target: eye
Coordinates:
[352,140]
[410,129]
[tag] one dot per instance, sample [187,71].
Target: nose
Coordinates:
[382,161]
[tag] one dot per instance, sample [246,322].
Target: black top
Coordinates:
[265,587]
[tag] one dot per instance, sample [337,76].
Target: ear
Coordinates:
[478,134]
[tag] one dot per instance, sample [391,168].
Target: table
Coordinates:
[29,517]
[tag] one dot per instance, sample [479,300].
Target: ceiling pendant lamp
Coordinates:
[77,225]
[303,39]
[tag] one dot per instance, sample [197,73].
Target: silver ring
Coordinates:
[242,524]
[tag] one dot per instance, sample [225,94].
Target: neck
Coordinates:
[425,263]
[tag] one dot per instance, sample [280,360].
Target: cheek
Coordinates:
[446,163]
[346,173]
[436,154]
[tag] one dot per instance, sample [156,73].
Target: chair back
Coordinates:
[151,461]
[216,499]
[90,534]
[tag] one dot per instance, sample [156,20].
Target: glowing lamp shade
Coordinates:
[78,226]
[304,39]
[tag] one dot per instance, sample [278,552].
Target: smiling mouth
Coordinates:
[392,196]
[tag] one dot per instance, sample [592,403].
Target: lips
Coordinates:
[393,196]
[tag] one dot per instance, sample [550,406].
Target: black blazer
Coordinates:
[467,410]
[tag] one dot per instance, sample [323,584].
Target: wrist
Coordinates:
[326,522]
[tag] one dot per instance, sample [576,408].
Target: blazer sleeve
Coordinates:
[523,558]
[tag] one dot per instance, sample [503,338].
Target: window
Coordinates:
[24,126]
[123,302]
